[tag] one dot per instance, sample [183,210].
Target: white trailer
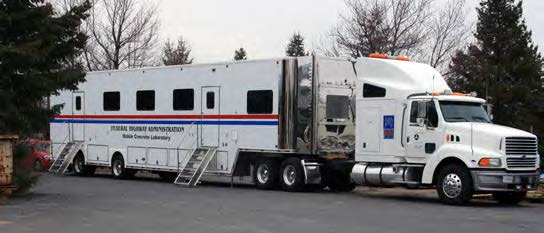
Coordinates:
[291,123]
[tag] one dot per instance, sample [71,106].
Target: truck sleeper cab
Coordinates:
[412,135]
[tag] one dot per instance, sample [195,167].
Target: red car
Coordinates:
[39,157]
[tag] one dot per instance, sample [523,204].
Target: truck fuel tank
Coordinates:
[387,175]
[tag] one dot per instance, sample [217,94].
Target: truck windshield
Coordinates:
[454,111]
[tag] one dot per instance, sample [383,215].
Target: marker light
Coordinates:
[383,56]
[489,162]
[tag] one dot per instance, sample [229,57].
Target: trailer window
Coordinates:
[371,91]
[184,99]
[145,100]
[78,103]
[112,101]
[210,100]
[337,107]
[260,102]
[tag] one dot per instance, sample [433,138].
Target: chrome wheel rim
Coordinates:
[117,167]
[289,175]
[263,173]
[452,186]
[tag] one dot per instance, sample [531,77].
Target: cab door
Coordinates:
[78,109]
[423,133]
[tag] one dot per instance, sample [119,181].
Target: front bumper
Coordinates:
[500,180]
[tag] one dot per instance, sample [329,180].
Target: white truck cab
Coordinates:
[412,130]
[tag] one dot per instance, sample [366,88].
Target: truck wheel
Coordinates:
[118,168]
[509,198]
[454,185]
[266,174]
[80,168]
[292,175]
[340,182]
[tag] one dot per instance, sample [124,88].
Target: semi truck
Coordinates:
[294,123]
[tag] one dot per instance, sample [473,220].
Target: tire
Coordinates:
[38,166]
[118,168]
[266,174]
[340,182]
[509,198]
[292,175]
[80,168]
[454,185]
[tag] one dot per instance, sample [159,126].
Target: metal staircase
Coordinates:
[64,157]
[195,166]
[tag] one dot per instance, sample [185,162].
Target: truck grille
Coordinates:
[521,152]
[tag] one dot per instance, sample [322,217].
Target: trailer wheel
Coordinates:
[266,173]
[80,168]
[509,198]
[454,185]
[292,175]
[118,168]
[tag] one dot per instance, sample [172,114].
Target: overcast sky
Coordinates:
[215,28]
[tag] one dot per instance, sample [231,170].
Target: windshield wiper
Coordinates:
[457,118]
[480,118]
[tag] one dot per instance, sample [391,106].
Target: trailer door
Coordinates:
[78,109]
[209,127]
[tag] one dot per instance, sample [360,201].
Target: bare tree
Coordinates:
[123,34]
[176,54]
[385,26]
[448,33]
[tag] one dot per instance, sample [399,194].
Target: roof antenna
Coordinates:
[432,93]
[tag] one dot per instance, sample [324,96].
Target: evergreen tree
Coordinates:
[38,57]
[295,48]
[504,66]
[240,54]
[178,55]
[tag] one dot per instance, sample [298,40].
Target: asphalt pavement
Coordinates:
[103,204]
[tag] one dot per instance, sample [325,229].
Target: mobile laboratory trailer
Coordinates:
[296,123]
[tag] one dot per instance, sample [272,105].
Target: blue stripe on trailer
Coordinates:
[153,122]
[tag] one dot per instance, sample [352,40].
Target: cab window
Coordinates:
[432,115]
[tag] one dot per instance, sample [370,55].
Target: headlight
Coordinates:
[490,162]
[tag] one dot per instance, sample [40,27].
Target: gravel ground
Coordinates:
[146,204]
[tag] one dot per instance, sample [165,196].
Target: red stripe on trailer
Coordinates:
[253,116]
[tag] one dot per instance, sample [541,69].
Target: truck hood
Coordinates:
[498,130]
[485,137]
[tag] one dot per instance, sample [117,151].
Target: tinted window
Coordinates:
[184,99]
[78,103]
[210,100]
[371,91]
[145,100]
[112,101]
[337,107]
[259,102]
[413,112]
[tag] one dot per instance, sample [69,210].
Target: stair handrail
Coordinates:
[182,140]
[61,148]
